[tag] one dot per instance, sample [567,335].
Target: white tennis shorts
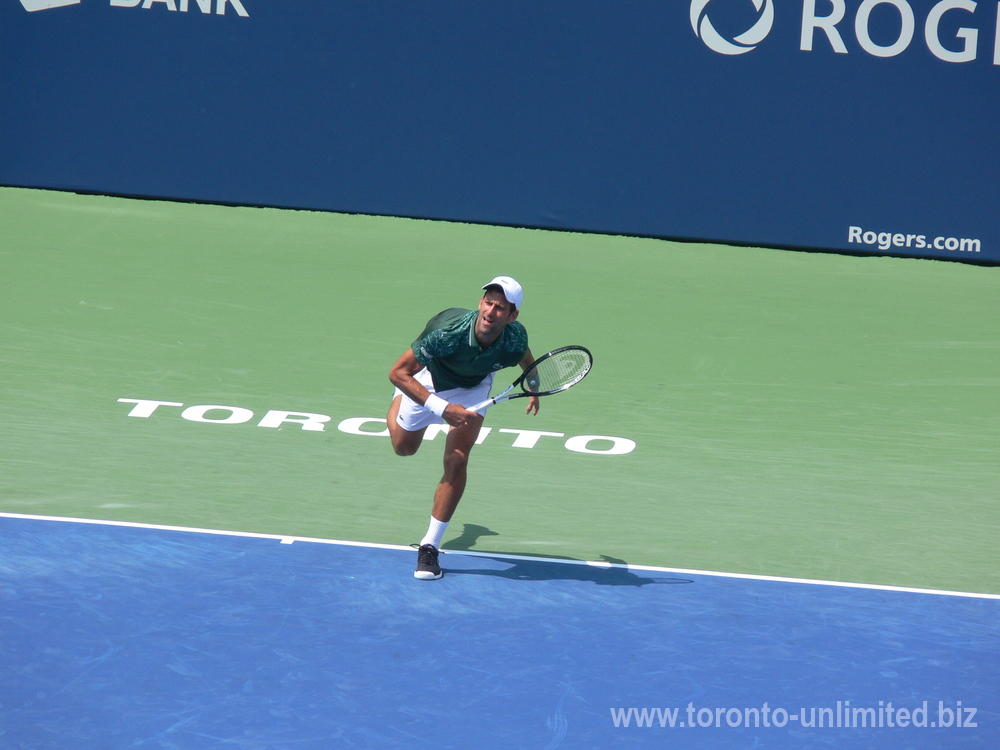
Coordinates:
[412,416]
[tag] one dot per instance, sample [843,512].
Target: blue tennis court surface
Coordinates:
[127,637]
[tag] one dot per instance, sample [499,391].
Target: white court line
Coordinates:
[286,539]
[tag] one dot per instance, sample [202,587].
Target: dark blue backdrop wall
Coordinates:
[858,125]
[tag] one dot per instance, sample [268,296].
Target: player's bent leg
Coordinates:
[404,442]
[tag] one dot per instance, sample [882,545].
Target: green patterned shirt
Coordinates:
[449,349]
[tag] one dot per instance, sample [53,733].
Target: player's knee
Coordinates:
[405,443]
[403,448]
[455,462]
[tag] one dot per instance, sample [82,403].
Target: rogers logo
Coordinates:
[827,25]
[740,44]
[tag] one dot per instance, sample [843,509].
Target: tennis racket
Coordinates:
[550,373]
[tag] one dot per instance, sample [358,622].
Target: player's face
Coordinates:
[495,312]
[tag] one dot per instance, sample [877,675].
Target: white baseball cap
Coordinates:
[511,290]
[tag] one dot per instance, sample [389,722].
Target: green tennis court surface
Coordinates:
[813,416]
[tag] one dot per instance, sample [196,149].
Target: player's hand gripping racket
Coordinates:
[550,373]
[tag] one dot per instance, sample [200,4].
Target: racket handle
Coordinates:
[482,405]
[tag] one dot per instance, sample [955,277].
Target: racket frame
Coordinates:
[506,394]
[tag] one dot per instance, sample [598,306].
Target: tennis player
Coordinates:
[449,367]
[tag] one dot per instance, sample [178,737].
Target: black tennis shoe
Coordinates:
[427,563]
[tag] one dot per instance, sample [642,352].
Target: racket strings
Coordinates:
[559,371]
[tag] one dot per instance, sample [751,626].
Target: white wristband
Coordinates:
[436,404]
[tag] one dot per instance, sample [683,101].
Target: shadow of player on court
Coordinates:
[614,571]
[471,533]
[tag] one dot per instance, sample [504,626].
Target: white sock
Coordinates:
[434,533]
